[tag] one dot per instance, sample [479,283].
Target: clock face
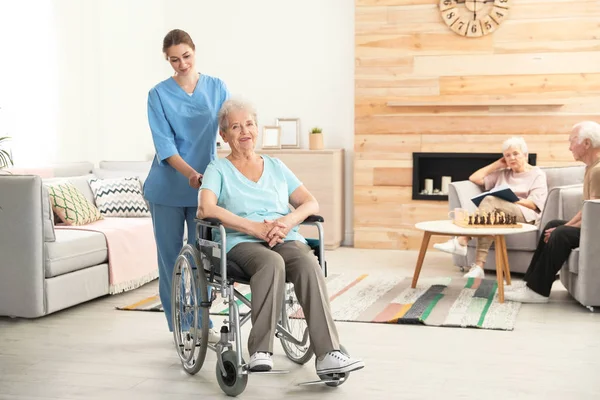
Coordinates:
[474,18]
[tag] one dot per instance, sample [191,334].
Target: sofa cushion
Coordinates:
[561,176]
[71,206]
[48,216]
[573,261]
[571,202]
[119,197]
[80,182]
[74,250]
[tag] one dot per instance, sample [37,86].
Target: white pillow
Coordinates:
[119,197]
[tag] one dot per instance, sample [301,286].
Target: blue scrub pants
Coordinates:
[168,225]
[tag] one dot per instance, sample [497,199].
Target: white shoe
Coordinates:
[260,361]
[452,246]
[213,335]
[516,285]
[525,295]
[475,272]
[336,362]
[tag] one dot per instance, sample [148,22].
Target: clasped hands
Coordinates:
[273,232]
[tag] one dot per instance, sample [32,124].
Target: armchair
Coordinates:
[580,274]
[520,247]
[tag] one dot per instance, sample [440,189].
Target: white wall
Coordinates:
[292,59]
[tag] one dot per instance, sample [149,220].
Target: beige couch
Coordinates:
[43,269]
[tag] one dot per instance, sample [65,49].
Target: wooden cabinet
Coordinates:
[322,172]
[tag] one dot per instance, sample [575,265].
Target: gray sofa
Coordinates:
[520,247]
[42,269]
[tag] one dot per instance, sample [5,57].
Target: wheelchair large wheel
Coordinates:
[189,290]
[293,320]
[231,383]
[335,380]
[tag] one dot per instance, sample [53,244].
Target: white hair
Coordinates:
[515,141]
[234,105]
[588,130]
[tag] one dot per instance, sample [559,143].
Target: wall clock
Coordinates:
[474,18]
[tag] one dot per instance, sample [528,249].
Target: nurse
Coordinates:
[182,113]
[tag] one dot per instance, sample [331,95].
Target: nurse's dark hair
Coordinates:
[175,37]
[234,105]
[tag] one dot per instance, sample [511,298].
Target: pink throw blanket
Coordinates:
[132,259]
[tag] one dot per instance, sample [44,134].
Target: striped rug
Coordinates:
[381,298]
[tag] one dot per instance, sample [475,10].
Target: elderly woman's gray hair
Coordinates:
[230,106]
[588,130]
[516,142]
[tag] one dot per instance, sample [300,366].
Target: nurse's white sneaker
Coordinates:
[452,246]
[213,335]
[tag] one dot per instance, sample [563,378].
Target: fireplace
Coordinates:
[457,166]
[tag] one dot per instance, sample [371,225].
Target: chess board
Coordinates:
[494,219]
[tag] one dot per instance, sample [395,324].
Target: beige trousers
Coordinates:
[268,269]
[488,204]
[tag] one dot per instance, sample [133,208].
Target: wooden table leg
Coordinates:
[505,263]
[499,267]
[424,244]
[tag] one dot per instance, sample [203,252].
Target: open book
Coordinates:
[502,191]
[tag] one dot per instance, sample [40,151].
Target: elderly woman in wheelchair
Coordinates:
[249,196]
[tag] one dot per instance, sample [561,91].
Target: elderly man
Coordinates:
[561,237]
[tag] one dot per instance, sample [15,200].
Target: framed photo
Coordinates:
[271,137]
[290,132]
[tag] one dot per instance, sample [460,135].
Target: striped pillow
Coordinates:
[119,197]
[71,206]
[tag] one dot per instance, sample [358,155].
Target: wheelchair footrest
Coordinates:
[319,382]
[272,372]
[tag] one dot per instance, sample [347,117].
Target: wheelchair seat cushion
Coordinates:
[236,273]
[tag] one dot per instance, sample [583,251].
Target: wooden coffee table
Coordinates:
[448,228]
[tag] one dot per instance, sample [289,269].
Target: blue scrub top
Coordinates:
[186,125]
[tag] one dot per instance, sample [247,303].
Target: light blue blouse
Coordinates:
[266,199]
[185,125]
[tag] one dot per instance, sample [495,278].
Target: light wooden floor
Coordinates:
[93,351]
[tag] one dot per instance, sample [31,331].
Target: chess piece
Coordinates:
[470,220]
[493,218]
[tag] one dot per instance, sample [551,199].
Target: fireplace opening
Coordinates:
[433,171]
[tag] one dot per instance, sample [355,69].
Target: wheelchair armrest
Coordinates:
[210,222]
[312,219]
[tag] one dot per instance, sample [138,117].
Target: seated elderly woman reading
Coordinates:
[251,194]
[526,181]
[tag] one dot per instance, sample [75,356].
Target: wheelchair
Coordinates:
[201,270]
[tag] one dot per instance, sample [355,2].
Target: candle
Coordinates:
[445,183]
[429,186]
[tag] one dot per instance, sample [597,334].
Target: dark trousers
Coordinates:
[549,257]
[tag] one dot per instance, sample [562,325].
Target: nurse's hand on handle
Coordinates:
[195,180]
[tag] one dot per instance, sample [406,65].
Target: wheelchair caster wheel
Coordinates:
[231,383]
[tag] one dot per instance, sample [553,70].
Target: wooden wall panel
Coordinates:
[536,76]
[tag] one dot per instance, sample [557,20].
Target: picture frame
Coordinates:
[271,137]
[290,132]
